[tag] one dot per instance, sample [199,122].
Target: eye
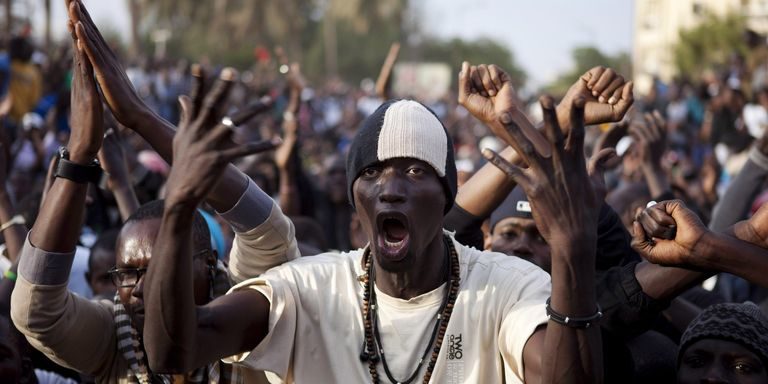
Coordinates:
[415,171]
[745,368]
[694,361]
[508,235]
[370,172]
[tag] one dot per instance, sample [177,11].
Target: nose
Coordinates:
[522,246]
[392,187]
[715,375]
[138,290]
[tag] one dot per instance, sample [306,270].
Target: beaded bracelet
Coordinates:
[574,322]
[10,275]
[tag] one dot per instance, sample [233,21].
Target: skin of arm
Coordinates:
[131,111]
[563,354]
[176,326]
[112,159]
[697,247]
[284,155]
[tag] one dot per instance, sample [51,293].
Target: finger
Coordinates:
[187,111]
[82,57]
[604,160]
[603,82]
[197,93]
[477,82]
[607,94]
[551,124]
[250,148]
[661,124]
[87,38]
[496,76]
[651,226]
[252,110]
[485,77]
[516,173]
[213,104]
[464,83]
[71,29]
[626,100]
[575,141]
[594,76]
[651,128]
[640,241]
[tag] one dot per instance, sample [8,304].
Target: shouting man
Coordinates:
[414,304]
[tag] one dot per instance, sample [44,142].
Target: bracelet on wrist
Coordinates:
[16,220]
[572,321]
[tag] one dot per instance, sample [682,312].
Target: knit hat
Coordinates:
[515,205]
[740,323]
[400,129]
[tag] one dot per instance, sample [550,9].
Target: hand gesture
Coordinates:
[651,138]
[648,238]
[116,87]
[486,92]
[611,137]
[290,123]
[607,96]
[113,160]
[563,201]
[87,115]
[203,145]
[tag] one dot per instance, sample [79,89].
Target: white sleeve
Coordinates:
[524,312]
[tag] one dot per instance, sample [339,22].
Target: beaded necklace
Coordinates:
[372,346]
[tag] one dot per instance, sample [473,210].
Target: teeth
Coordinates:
[391,244]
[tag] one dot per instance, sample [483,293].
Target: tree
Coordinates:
[710,44]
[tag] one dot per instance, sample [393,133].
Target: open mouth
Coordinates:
[393,235]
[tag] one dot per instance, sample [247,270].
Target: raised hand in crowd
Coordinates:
[651,142]
[202,149]
[607,96]
[285,158]
[384,81]
[118,178]
[132,112]
[742,252]
[565,209]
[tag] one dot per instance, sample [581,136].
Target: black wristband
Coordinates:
[573,322]
[77,173]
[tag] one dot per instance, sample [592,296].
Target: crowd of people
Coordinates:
[169,222]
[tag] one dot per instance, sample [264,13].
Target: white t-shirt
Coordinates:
[316,328]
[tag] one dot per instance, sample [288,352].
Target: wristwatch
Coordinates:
[78,173]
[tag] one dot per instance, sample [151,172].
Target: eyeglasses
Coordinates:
[126,277]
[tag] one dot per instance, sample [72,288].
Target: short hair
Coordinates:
[20,48]
[201,236]
[107,241]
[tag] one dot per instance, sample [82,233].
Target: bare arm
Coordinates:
[565,209]
[131,111]
[696,247]
[112,158]
[284,155]
[176,326]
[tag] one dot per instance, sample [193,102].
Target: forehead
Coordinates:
[515,224]
[135,243]
[721,347]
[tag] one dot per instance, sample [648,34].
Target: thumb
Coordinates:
[626,100]
[464,84]
[640,243]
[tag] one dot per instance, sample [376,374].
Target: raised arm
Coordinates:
[565,208]
[54,320]
[112,158]
[285,155]
[130,110]
[694,246]
[175,327]
[489,186]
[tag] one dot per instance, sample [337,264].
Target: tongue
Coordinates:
[395,230]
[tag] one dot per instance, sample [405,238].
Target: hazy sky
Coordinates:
[541,33]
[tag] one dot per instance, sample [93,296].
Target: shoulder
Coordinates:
[324,265]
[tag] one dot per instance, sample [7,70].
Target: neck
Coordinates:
[427,272]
